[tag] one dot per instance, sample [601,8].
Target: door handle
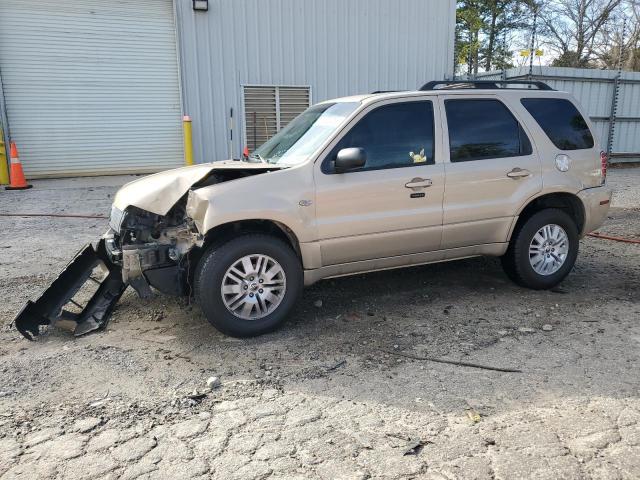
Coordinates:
[518,172]
[418,182]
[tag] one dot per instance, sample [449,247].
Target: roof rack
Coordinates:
[483,84]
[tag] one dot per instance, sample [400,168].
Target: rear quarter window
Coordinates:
[561,121]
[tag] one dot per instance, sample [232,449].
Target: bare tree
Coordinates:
[613,39]
[572,29]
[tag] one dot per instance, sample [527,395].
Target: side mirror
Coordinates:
[350,158]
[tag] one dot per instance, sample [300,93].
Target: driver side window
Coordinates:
[393,136]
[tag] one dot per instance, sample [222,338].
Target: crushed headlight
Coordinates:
[115,219]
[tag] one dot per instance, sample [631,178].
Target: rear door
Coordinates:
[491,169]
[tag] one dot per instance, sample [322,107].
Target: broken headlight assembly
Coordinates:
[115,219]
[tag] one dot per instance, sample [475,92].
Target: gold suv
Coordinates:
[357,184]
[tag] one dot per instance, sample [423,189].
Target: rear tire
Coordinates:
[247,286]
[542,250]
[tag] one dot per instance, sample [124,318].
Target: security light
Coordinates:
[201,5]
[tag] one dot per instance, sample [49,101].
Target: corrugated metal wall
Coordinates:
[337,47]
[594,89]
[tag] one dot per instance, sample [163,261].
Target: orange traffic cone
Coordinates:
[18,182]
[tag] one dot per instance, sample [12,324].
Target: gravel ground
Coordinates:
[327,396]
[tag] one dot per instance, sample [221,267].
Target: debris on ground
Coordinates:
[453,362]
[526,330]
[547,327]
[189,399]
[473,416]
[317,304]
[213,382]
[414,447]
[336,365]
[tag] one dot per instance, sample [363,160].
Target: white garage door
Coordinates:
[91,86]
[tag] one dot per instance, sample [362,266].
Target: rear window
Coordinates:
[561,121]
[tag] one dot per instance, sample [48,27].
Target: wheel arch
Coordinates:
[566,201]
[226,231]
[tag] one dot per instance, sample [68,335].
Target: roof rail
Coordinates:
[483,84]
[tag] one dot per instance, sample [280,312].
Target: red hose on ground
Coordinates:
[56,215]
[609,237]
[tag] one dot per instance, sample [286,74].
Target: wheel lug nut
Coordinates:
[261,280]
[260,290]
[251,294]
[251,278]
[246,288]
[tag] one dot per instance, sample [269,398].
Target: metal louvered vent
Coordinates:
[293,101]
[268,109]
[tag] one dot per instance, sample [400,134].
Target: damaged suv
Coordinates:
[373,182]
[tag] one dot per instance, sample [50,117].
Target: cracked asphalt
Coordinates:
[327,396]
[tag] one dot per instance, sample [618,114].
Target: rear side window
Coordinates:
[393,136]
[561,121]
[482,129]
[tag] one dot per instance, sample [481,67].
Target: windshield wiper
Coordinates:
[258,156]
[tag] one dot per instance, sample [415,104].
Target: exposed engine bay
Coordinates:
[151,249]
[148,248]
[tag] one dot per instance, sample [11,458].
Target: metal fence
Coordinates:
[611,98]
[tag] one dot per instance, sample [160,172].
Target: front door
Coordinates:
[491,171]
[393,205]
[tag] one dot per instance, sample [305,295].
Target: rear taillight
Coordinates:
[604,159]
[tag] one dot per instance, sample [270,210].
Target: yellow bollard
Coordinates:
[4,170]
[188,140]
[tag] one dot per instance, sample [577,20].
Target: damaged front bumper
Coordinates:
[89,287]
[149,265]
[81,273]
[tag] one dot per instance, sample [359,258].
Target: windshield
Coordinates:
[298,140]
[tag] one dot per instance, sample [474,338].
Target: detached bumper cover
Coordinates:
[48,308]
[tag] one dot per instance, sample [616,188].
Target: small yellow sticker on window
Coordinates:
[418,157]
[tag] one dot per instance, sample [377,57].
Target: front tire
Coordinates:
[542,250]
[248,286]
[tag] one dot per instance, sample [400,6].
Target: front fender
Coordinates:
[286,197]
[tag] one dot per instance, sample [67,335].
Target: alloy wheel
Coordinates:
[548,249]
[253,286]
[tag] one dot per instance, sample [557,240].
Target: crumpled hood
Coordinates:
[159,192]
